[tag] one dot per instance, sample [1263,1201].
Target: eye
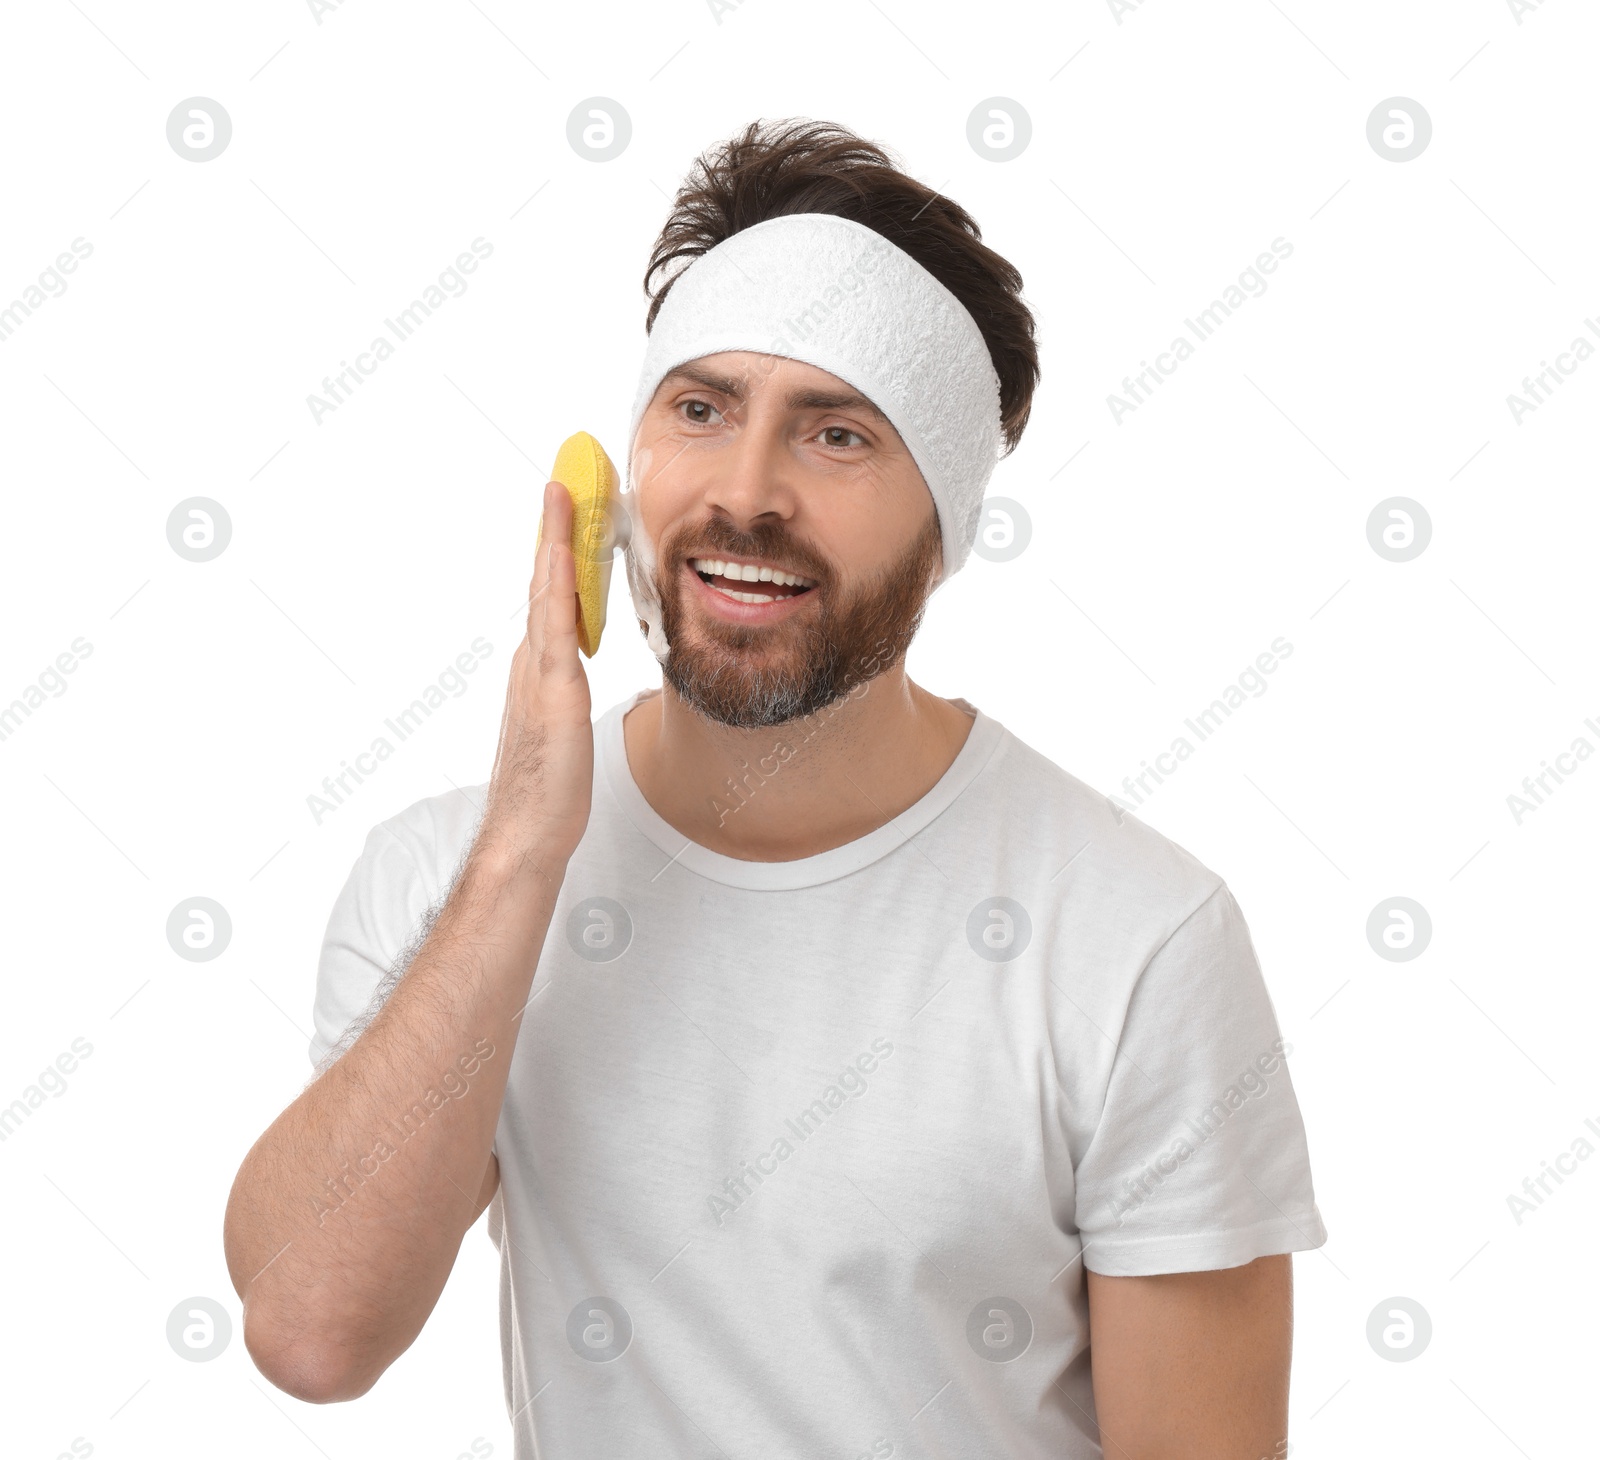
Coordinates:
[828,432]
[698,420]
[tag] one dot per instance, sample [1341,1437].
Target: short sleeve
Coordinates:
[382,904]
[1199,1158]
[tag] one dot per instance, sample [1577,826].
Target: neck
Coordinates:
[794,790]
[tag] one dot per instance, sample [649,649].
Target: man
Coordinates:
[831,1063]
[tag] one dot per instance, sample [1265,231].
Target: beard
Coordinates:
[748,677]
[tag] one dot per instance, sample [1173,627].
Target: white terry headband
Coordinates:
[838,295]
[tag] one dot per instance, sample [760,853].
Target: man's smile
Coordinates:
[748,590]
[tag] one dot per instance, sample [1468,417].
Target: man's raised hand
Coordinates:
[542,785]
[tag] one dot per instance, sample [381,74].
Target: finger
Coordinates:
[541,551]
[555,525]
[561,613]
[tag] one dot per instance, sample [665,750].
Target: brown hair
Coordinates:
[801,166]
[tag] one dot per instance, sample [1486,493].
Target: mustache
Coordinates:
[715,538]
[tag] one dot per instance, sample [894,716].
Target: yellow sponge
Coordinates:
[584,469]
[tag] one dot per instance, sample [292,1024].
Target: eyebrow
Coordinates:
[799,399]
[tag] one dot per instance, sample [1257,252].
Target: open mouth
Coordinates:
[749,582]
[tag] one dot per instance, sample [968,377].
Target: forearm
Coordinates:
[346,1216]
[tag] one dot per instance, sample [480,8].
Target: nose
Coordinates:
[748,478]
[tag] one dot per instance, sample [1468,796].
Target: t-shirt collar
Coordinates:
[682,852]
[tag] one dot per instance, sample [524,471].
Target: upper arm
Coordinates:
[1193,1365]
[375,927]
[1196,1159]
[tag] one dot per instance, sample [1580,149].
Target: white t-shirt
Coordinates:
[808,1158]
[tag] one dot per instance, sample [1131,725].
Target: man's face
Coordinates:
[760,461]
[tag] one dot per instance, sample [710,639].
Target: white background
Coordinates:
[1169,147]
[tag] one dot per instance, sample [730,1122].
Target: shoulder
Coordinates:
[1097,851]
[435,832]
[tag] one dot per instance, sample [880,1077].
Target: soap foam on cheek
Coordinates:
[639,557]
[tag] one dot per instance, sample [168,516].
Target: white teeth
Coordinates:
[749,573]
